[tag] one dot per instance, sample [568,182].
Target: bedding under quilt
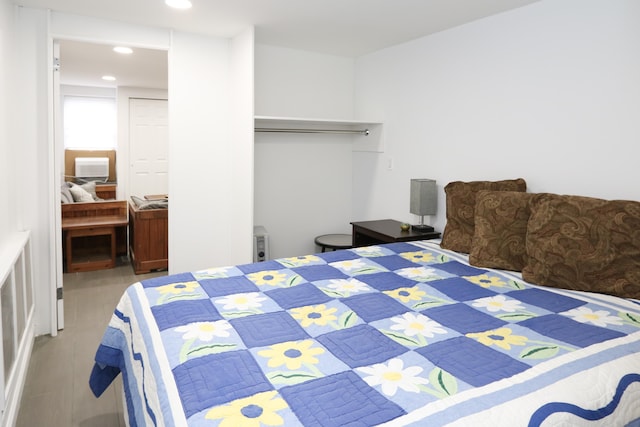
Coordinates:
[395,334]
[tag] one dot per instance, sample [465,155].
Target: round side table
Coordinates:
[334,241]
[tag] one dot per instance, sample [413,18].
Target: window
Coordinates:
[89,123]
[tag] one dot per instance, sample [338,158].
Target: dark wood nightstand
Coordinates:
[385,231]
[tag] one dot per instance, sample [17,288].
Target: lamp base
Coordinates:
[422,228]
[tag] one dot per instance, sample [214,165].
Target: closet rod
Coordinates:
[334,131]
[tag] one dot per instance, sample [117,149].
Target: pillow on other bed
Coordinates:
[584,243]
[80,194]
[500,230]
[90,187]
[65,194]
[143,204]
[461,203]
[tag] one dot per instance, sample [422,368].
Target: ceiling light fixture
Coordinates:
[109,78]
[123,49]
[178,4]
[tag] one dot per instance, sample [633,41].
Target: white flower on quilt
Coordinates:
[348,286]
[598,318]
[368,250]
[418,273]
[211,273]
[393,376]
[499,303]
[349,264]
[241,301]
[412,324]
[205,331]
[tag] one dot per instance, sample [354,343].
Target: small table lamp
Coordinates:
[424,201]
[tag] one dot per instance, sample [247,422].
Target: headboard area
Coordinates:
[70,161]
[563,241]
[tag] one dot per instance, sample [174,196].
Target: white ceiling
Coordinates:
[84,64]
[339,27]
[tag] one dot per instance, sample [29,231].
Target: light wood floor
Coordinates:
[56,392]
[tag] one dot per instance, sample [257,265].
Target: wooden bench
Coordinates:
[90,221]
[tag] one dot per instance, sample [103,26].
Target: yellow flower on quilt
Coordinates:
[485,281]
[271,277]
[177,288]
[314,315]
[418,256]
[501,337]
[299,260]
[292,354]
[406,294]
[253,411]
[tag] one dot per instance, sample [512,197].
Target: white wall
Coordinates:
[205,157]
[548,92]
[302,182]
[31,154]
[7,190]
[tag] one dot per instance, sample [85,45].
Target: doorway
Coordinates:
[141,74]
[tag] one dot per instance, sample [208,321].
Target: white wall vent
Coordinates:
[92,168]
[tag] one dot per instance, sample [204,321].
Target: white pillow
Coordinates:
[80,194]
[90,187]
[65,194]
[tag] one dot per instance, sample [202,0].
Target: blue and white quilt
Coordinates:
[396,334]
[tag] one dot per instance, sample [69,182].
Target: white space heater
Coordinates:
[92,168]
[260,244]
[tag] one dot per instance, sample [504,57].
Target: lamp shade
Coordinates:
[424,197]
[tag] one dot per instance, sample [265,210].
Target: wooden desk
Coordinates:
[385,231]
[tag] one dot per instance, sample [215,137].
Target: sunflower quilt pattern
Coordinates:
[395,334]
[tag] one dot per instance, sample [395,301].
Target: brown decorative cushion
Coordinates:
[585,244]
[500,230]
[461,206]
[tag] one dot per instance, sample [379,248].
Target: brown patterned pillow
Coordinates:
[500,230]
[585,244]
[461,205]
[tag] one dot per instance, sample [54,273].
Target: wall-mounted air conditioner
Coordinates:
[92,168]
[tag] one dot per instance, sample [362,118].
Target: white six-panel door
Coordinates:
[148,147]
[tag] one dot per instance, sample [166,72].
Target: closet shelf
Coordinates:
[366,135]
[285,121]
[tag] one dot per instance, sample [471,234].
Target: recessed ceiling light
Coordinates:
[109,78]
[178,4]
[123,49]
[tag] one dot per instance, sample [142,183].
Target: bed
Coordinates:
[396,334]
